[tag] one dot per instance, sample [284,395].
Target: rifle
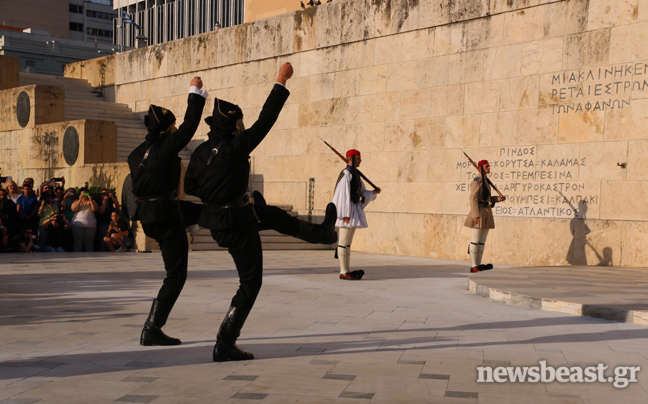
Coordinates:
[487,179]
[345,160]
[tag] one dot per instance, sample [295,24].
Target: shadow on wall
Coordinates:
[577,254]
[256,182]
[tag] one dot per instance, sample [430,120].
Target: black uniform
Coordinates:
[155,185]
[225,181]
[218,174]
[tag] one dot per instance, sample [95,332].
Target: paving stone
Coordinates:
[249,396]
[434,376]
[241,377]
[350,394]
[140,379]
[461,394]
[135,399]
[333,376]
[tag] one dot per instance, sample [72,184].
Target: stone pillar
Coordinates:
[8,72]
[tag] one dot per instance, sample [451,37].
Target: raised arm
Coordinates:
[175,142]
[251,138]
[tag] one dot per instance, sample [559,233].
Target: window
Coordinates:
[75,8]
[100,14]
[99,32]
[75,26]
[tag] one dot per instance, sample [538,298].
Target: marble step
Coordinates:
[49,78]
[96,105]
[121,122]
[82,95]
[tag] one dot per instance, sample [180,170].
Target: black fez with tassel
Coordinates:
[158,119]
[224,116]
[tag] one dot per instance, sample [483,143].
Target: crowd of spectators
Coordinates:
[50,218]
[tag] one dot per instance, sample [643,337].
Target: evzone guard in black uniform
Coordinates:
[218,174]
[155,170]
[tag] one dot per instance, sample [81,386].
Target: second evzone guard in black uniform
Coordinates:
[155,170]
[218,174]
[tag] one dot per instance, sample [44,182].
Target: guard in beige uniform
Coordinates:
[480,219]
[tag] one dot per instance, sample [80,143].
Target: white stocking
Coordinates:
[476,249]
[345,237]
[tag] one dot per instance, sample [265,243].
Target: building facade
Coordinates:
[91,20]
[159,21]
[46,35]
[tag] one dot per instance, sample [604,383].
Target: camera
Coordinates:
[57,179]
[5,179]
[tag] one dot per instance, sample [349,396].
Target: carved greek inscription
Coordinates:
[597,89]
[534,186]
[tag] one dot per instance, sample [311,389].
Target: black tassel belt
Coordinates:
[171,196]
[237,203]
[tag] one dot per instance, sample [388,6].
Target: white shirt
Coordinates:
[346,208]
[85,217]
[196,90]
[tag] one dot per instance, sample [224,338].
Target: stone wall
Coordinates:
[553,92]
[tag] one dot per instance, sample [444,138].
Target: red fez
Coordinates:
[352,152]
[483,162]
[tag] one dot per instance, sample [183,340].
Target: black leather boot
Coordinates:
[258,198]
[152,333]
[323,233]
[230,329]
[485,267]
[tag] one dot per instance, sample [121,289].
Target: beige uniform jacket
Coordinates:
[483,211]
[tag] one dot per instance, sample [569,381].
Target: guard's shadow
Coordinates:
[81,297]
[383,272]
[367,342]
[577,253]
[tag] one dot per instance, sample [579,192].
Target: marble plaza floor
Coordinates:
[410,332]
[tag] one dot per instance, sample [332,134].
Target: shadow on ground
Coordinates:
[195,352]
[50,297]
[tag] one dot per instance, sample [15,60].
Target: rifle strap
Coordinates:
[215,152]
[142,165]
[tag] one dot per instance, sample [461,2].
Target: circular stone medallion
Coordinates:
[23,109]
[71,145]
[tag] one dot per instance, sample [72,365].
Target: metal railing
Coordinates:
[175,19]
